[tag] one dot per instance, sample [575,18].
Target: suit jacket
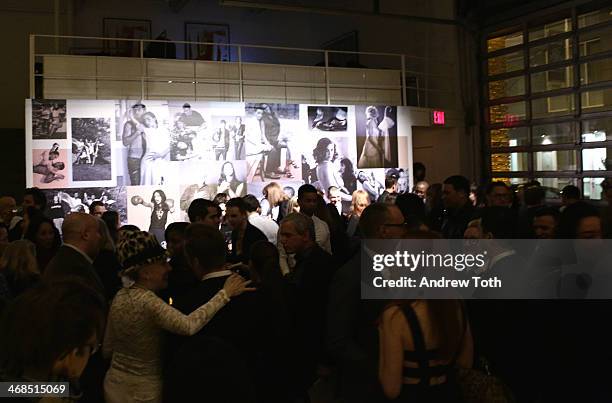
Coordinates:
[68,263]
[352,335]
[244,323]
[252,234]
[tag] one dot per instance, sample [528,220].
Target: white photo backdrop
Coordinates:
[133,154]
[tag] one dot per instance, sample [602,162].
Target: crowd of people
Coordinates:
[248,307]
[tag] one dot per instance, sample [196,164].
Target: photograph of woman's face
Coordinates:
[228,171]
[157,197]
[149,121]
[329,152]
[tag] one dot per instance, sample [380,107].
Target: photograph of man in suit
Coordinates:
[134,141]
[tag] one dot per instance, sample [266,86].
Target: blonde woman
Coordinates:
[360,201]
[275,203]
[18,264]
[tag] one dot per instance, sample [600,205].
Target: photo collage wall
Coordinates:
[149,159]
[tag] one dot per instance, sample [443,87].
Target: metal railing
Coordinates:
[420,84]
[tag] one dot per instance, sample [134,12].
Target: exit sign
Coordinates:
[438,117]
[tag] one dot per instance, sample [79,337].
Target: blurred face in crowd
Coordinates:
[589,228]
[72,365]
[500,196]
[235,218]
[420,189]
[99,210]
[211,218]
[259,114]
[452,198]
[8,205]
[291,240]
[544,227]
[175,243]
[45,236]
[93,238]
[308,203]
[154,276]
[334,196]
[394,227]
[472,232]
[28,201]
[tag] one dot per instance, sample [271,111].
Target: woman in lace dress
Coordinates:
[138,320]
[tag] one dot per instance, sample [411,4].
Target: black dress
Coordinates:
[158,224]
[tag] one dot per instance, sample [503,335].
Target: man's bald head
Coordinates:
[83,231]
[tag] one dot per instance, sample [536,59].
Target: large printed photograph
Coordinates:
[164,154]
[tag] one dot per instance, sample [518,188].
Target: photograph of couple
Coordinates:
[271,131]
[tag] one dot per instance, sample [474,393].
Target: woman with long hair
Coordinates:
[160,207]
[372,153]
[421,341]
[274,204]
[19,267]
[46,238]
[154,163]
[228,183]
[359,203]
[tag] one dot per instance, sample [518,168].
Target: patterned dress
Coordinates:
[134,336]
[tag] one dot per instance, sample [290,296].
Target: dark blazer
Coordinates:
[252,234]
[68,263]
[243,323]
[352,335]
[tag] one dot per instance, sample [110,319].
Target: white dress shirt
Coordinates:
[266,225]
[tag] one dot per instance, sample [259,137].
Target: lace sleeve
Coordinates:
[107,344]
[174,321]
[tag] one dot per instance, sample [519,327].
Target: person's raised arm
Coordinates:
[174,321]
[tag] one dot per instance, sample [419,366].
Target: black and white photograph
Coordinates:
[324,164]
[48,119]
[61,202]
[91,149]
[146,139]
[228,137]
[272,141]
[376,136]
[227,177]
[153,208]
[372,181]
[49,167]
[191,132]
[328,118]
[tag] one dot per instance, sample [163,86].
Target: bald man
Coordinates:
[82,240]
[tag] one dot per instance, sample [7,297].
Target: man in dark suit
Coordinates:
[244,234]
[310,279]
[82,240]
[74,260]
[242,322]
[458,207]
[352,337]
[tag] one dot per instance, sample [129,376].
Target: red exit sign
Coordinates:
[438,118]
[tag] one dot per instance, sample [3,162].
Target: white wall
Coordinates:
[293,29]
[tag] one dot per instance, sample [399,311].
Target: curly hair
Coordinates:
[321,149]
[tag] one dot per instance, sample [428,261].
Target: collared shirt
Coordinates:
[287,261]
[215,274]
[266,225]
[80,251]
